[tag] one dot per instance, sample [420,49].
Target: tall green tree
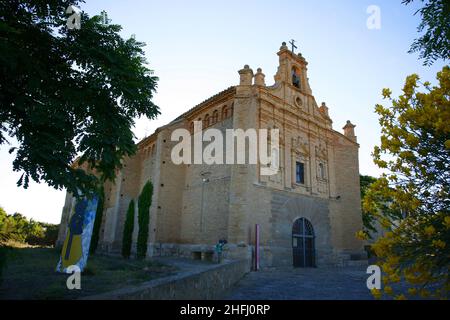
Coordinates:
[415,152]
[434,42]
[69,93]
[127,239]
[144,203]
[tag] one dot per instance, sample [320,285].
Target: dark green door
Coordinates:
[303,244]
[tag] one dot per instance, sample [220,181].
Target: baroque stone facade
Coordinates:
[195,205]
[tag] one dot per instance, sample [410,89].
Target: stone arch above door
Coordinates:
[286,208]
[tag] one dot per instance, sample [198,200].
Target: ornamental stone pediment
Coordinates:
[300,146]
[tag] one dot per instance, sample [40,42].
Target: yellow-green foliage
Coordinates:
[415,151]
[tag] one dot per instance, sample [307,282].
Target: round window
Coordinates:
[298,101]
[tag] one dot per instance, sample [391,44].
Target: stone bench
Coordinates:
[204,255]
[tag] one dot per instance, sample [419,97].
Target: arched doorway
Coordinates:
[303,244]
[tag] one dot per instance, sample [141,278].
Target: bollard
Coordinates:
[219,249]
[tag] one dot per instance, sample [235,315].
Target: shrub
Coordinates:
[145,200]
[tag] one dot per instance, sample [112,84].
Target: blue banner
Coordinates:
[75,249]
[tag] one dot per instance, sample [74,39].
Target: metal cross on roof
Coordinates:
[293,46]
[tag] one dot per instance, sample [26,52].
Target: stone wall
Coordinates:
[346,217]
[212,283]
[206,191]
[288,207]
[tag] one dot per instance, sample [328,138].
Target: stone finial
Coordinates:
[300,56]
[324,109]
[349,130]
[283,46]
[246,76]
[259,78]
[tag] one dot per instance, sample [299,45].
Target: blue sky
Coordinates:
[197,47]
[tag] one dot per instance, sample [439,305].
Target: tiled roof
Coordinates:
[231,89]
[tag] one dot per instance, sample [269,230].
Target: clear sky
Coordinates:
[197,47]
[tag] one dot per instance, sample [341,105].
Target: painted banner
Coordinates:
[75,249]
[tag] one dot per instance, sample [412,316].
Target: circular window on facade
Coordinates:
[298,101]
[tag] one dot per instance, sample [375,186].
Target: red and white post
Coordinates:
[256,247]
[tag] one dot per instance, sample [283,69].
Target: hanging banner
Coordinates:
[79,232]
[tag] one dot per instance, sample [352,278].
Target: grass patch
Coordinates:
[29,273]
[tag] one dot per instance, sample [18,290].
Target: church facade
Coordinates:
[307,213]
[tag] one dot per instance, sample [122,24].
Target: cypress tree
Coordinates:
[145,200]
[128,231]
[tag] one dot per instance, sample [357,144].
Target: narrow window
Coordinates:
[215,117]
[295,78]
[224,112]
[300,172]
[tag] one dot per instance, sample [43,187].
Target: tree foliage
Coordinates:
[18,228]
[145,201]
[384,211]
[434,43]
[69,93]
[127,239]
[415,152]
[368,219]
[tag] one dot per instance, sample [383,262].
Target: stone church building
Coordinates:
[307,214]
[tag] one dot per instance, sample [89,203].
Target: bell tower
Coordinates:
[292,70]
